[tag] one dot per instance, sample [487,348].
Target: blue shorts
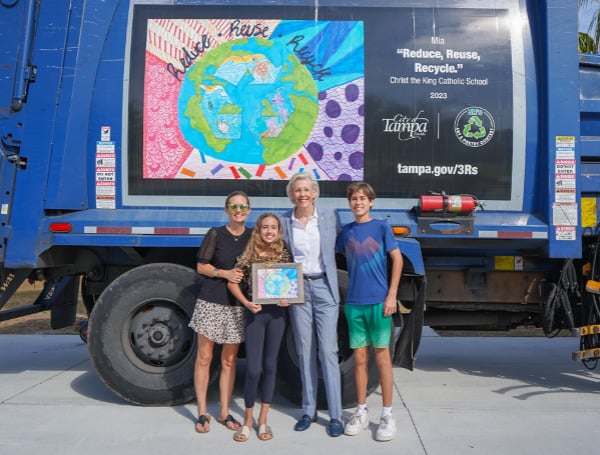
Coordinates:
[368,326]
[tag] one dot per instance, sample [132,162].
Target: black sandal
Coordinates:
[230,423]
[202,423]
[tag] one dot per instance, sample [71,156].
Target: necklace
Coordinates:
[236,235]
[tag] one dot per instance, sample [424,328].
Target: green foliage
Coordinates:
[586,44]
[589,43]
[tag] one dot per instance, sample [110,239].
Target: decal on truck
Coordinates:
[245,97]
[253,108]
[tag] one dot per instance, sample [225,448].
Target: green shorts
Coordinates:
[368,326]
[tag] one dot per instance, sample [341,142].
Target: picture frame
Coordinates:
[272,283]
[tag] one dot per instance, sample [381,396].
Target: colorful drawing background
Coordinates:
[334,148]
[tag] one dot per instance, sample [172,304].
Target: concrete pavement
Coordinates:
[466,395]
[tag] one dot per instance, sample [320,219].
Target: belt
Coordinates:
[314,276]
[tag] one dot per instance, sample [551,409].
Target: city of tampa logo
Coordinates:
[474,126]
[406,127]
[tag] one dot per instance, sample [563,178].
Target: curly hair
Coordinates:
[256,246]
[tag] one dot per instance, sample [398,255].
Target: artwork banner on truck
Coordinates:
[418,98]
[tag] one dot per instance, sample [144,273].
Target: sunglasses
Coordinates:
[242,207]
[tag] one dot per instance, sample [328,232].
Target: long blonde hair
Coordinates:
[257,247]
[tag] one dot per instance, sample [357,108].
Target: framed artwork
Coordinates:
[272,283]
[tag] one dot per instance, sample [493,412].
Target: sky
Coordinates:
[585,16]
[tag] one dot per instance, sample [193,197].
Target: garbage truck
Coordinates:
[123,125]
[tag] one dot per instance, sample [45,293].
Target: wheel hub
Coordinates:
[159,334]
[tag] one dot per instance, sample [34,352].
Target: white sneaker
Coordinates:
[358,422]
[387,429]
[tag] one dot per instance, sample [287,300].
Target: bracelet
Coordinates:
[215,272]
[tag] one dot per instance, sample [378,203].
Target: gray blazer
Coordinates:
[329,226]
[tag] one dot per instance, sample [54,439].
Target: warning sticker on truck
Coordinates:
[566,233]
[565,181]
[564,217]
[106,175]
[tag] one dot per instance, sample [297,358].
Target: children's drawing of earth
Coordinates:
[277,284]
[248,101]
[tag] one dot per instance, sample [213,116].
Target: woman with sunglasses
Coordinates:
[218,317]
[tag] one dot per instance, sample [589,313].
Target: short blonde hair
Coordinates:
[302,176]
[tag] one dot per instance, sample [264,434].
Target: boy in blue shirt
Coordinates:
[370,303]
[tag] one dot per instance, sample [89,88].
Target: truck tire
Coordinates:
[139,340]
[289,382]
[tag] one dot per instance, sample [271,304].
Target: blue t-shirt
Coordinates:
[365,246]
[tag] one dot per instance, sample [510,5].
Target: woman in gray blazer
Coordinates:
[310,233]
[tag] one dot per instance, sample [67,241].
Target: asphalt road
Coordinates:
[466,396]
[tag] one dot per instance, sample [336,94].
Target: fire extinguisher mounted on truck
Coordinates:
[124,123]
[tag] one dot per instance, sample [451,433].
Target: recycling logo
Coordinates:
[474,126]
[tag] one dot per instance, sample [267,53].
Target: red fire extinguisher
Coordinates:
[444,203]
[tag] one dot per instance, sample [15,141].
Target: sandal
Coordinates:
[203,424]
[241,434]
[230,422]
[264,432]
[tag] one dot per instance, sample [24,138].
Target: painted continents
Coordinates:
[248,101]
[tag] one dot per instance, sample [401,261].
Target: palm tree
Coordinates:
[589,43]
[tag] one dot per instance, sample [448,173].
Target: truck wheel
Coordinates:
[289,382]
[139,340]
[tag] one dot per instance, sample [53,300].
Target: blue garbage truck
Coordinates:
[123,124]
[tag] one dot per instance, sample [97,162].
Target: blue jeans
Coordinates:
[315,324]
